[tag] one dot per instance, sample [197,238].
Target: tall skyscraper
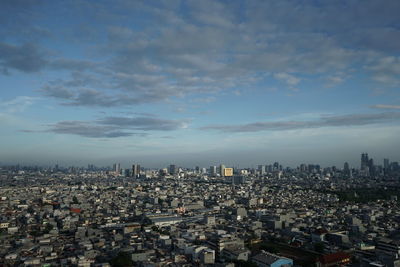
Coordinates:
[276,166]
[364,161]
[386,164]
[371,167]
[118,170]
[228,172]
[213,171]
[346,169]
[135,170]
[172,169]
[221,170]
[261,169]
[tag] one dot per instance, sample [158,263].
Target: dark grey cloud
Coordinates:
[26,57]
[87,97]
[279,40]
[112,127]
[144,123]
[57,92]
[87,130]
[71,64]
[29,57]
[16,18]
[331,121]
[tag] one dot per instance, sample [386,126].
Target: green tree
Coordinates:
[75,200]
[48,228]
[123,259]
[319,247]
[269,247]
[242,263]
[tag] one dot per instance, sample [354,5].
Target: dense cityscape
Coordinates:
[179,133]
[216,216]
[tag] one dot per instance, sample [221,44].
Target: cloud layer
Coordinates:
[331,121]
[111,127]
[204,47]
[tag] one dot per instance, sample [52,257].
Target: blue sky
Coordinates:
[199,82]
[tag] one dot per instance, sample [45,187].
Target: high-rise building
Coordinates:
[364,161]
[371,167]
[221,170]
[135,170]
[228,172]
[117,168]
[346,169]
[276,166]
[261,169]
[303,167]
[172,169]
[386,164]
[213,171]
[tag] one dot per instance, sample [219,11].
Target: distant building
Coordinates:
[135,170]
[213,170]
[165,220]
[364,160]
[207,256]
[221,170]
[386,165]
[172,169]
[335,259]
[228,172]
[346,169]
[238,179]
[266,259]
[117,168]
[262,169]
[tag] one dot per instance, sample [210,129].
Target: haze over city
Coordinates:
[199,82]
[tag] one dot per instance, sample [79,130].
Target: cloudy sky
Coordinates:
[199,82]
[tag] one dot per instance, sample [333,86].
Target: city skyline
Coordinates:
[199,82]
[366,161]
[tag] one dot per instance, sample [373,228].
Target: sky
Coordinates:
[199,83]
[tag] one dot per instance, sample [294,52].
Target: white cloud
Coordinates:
[287,78]
[381,106]
[18,104]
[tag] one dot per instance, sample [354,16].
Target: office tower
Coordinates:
[221,170]
[303,167]
[276,166]
[228,172]
[269,168]
[197,169]
[386,165]
[238,179]
[117,168]
[135,170]
[172,169]
[261,169]
[371,167]
[346,169]
[364,161]
[311,168]
[213,171]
